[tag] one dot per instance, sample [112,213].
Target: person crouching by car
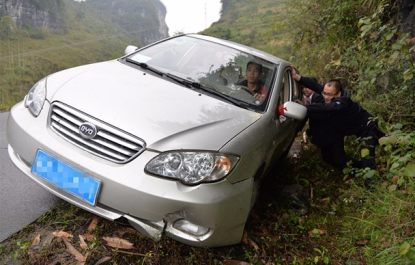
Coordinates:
[309,96]
[316,126]
[339,116]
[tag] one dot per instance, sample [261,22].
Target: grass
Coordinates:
[25,60]
[27,55]
[384,222]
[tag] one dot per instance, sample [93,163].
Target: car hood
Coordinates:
[167,116]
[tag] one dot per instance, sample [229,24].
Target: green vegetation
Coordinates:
[363,43]
[89,34]
[259,24]
[29,54]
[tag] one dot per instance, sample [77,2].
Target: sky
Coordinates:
[191,16]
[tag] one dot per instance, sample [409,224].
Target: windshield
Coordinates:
[229,72]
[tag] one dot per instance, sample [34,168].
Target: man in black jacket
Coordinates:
[315,124]
[339,116]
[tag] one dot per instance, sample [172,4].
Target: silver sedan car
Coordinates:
[173,137]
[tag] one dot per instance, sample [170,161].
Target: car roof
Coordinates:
[241,47]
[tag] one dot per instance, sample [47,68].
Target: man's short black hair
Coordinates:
[337,84]
[258,65]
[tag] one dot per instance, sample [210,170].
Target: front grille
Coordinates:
[110,143]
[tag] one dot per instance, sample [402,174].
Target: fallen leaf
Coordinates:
[36,240]
[103,260]
[73,251]
[93,224]
[126,230]
[117,242]
[88,237]
[247,241]
[62,234]
[82,242]
[305,137]
[47,240]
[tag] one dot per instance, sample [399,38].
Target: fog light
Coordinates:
[190,228]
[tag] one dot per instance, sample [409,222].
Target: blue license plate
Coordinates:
[66,177]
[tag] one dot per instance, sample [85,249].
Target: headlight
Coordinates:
[36,97]
[192,167]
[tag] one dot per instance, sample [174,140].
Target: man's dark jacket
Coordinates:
[341,117]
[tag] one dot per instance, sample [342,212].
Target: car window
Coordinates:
[285,93]
[296,90]
[226,70]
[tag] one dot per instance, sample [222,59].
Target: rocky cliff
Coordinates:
[143,19]
[44,14]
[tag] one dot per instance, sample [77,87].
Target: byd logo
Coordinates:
[87,130]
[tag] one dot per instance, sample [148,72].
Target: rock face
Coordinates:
[44,14]
[144,19]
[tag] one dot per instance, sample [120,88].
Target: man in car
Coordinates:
[253,81]
[339,116]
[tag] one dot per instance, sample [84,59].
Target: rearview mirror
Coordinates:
[130,49]
[293,110]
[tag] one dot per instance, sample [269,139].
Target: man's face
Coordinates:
[330,92]
[307,92]
[252,73]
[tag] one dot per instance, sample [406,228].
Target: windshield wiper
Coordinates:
[192,83]
[183,81]
[177,79]
[146,66]
[226,97]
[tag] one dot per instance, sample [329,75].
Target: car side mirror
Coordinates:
[130,49]
[292,110]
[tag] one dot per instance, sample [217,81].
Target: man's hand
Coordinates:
[302,102]
[294,74]
[260,97]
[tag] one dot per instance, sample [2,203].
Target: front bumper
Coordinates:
[150,204]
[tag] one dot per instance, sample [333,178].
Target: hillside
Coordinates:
[364,42]
[260,24]
[41,37]
[142,19]
[370,45]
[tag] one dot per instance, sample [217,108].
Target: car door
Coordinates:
[283,127]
